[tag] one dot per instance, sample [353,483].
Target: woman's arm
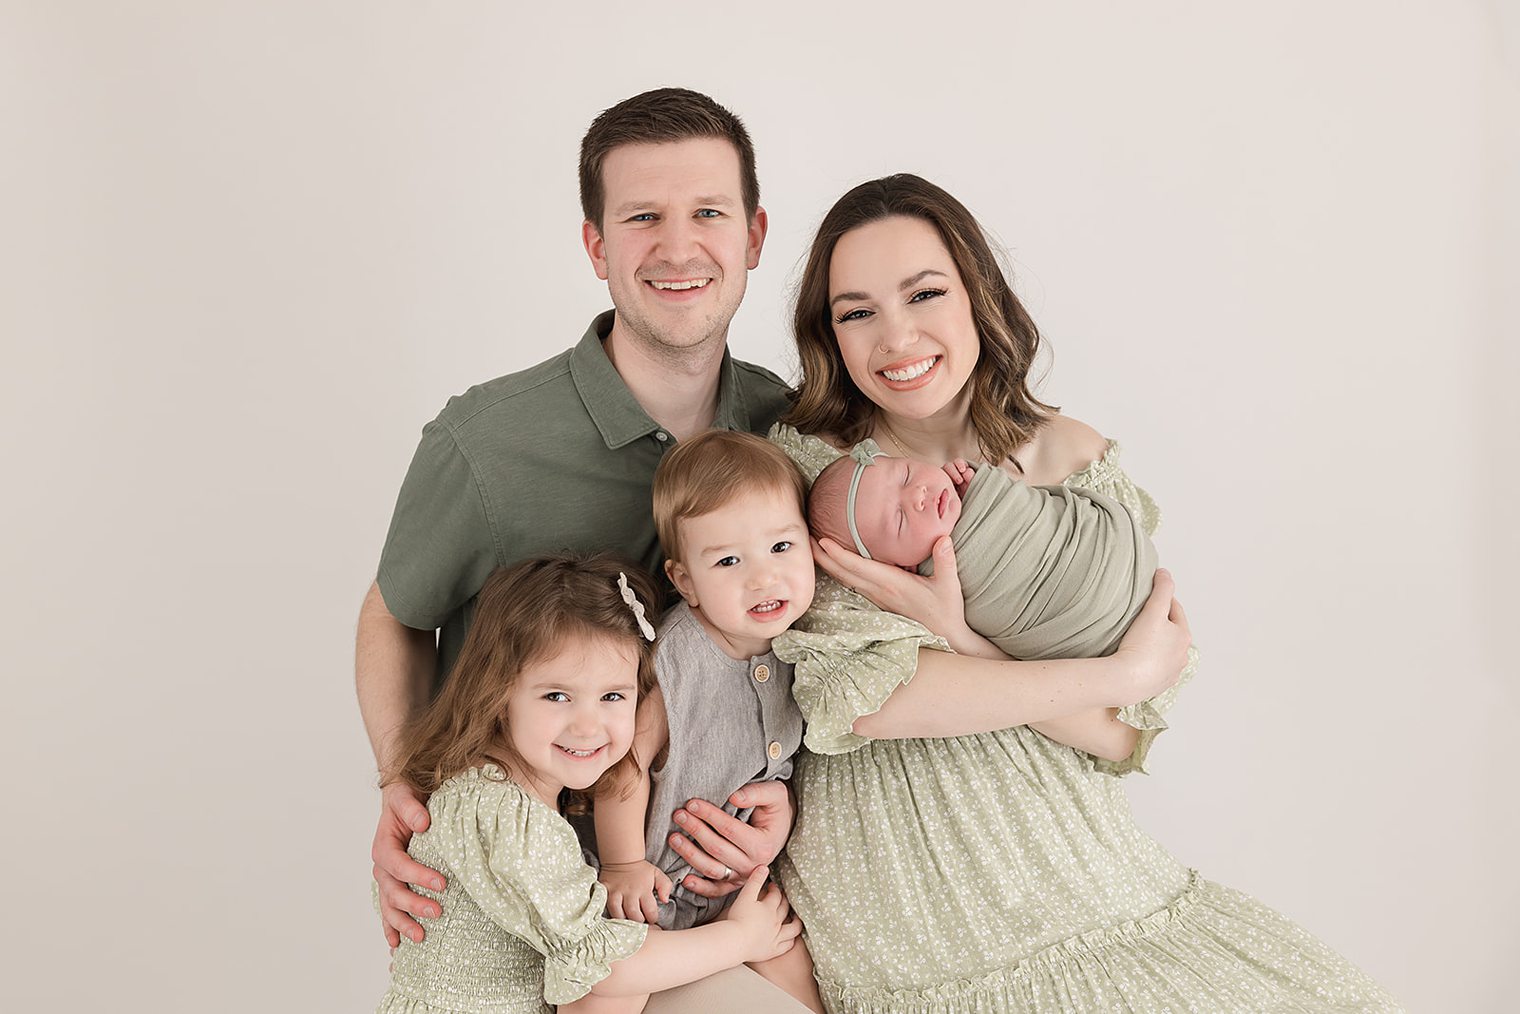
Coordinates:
[1096,731]
[956,695]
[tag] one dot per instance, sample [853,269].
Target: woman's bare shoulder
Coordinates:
[1061,447]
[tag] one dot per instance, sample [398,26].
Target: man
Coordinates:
[561,455]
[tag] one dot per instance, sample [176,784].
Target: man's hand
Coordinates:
[632,889]
[719,839]
[402,814]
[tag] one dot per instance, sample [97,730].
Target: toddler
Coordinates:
[728,508]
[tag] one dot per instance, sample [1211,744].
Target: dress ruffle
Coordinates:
[1212,949]
[570,972]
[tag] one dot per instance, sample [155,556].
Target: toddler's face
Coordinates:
[747,568]
[902,508]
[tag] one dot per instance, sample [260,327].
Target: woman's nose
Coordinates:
[897,333]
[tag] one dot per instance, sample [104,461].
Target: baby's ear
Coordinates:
[681,578]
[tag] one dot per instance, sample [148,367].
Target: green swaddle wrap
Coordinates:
[1049,571]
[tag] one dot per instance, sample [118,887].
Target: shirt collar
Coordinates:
[617,414]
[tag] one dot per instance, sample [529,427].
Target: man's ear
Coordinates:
[596,248]
[757,226]
[681,578]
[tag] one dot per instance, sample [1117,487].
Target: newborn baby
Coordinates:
[1046,571]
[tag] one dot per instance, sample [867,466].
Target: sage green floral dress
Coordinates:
[1003,871]
[522,925]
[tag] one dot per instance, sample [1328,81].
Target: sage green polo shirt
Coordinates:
[559,456]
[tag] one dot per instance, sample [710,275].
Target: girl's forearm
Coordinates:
[958,695]
[675,958]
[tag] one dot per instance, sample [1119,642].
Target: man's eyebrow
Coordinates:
[707,201]
[906,283]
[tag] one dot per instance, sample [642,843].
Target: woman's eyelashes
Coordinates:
[861,313]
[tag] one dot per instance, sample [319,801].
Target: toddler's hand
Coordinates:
[632,889]
[768,933]
[961,473]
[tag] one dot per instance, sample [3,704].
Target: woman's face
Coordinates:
[902,318]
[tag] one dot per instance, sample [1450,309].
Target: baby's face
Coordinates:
[902,508]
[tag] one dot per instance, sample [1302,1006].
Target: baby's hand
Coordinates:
[632,889]
[768,933]
[961,473]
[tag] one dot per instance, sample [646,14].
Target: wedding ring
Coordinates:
[728,873]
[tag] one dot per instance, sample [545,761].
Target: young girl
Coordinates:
[542,699]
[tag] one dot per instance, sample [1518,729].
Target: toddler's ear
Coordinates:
[681,578]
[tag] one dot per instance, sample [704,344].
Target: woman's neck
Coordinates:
[946,435]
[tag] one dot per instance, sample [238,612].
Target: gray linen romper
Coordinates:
[731,723]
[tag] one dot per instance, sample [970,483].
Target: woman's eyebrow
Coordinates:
[909,282]
[906,283]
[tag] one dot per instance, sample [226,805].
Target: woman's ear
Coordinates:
[681,578]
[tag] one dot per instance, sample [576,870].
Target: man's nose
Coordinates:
[677,240]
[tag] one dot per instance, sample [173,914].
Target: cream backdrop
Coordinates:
[249,249]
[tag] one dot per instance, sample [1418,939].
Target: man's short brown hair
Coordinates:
[709,471]
[661,116]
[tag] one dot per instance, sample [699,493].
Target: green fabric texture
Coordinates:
[523,925]
[558,456]
[1049,571]
[1003,871]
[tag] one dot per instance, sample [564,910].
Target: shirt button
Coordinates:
[661,436]
[762,673]
[774,750]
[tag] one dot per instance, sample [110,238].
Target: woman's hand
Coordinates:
[762,918]
[1154,649]
[718,839]
[402,813]
[935,601]
[632,890]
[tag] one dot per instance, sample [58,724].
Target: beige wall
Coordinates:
[250,248]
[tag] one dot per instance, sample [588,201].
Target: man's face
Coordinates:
[674,245]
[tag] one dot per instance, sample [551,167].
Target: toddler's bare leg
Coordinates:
[793,972]
[593,1004]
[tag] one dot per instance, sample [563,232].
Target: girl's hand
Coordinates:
[936,601]
[632,889]
[762,916]
[961,473]
[1154,649]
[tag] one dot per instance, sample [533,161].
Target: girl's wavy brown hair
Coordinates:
[1004,412]
[525,614]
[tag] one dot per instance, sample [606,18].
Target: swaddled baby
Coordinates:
[1046,571]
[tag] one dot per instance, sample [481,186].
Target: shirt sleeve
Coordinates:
[441,546]
[521,863]
[1107,477]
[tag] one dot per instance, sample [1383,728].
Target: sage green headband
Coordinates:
[864,454]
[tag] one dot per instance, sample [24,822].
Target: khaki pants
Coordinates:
[732,991]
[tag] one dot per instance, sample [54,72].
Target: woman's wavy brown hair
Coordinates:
[525,614]
[1004,412]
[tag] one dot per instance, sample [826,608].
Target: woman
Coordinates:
[963,844]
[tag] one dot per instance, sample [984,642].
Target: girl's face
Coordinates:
[570,716]
[902,318]
[746,569]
